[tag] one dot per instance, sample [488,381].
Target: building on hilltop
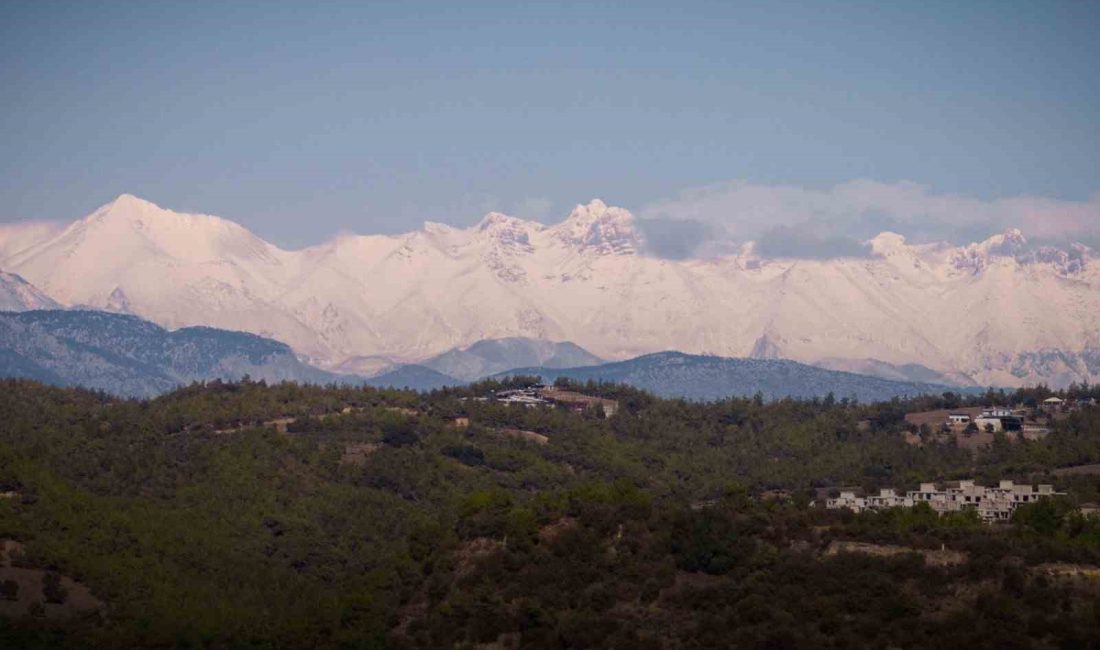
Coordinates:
[959,420]
[542,395]
[887,498]
[997,420]
[992,504]
[848,500]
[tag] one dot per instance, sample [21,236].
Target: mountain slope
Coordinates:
[413,377]
[128,356]
[174,269]
[913,372]
[492,356]
[999,312]
[674,374]
[16,294]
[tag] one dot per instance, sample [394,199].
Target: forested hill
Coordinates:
[675,374]
[492,356]
[246,514]
[126,355]
[414,377]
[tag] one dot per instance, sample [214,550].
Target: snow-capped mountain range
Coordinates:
[997,312]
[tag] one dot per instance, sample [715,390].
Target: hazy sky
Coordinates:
[303,119]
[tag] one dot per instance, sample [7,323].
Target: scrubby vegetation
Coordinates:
[376,520]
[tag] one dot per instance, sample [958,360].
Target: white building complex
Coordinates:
[991,503]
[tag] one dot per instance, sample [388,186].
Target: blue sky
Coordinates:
[300,120]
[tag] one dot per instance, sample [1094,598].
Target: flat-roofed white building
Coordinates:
[992,504]
[847,500]
[888,498]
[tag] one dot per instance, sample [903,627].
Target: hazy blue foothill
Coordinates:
[491,356]
[128,356]
[414,377]
[674,374]
[125,355]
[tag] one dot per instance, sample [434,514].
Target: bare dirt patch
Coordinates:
[609,406]
[35,592]
[1077,470]
[280,425]
[403,411]
[472,553]
[530,436]
[550,532]
[935,419]
[1063,570]
[934,557]
[357,453]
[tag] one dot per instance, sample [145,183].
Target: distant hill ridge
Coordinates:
[490,356]
[16,294]
[128,356]
[125,355]
[675,374]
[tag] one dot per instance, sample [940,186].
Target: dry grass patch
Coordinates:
[39,593]
[529,436]
[357,453]
[934,557]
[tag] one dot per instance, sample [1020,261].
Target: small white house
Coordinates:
[958,419]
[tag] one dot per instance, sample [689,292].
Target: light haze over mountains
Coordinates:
[995,312]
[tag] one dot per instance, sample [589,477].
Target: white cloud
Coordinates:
[860,209]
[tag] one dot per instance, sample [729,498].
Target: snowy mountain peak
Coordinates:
[595,206]
[127,207]
[887,243]
[507,232]
[1071,261]
[1010,242]
[974,258]
[598,228]
[129,201]
[592,211]
[132,223]
[1012,245]
[495,220]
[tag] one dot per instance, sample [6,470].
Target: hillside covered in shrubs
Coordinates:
[301,516]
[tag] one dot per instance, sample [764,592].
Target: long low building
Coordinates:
[991,503]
